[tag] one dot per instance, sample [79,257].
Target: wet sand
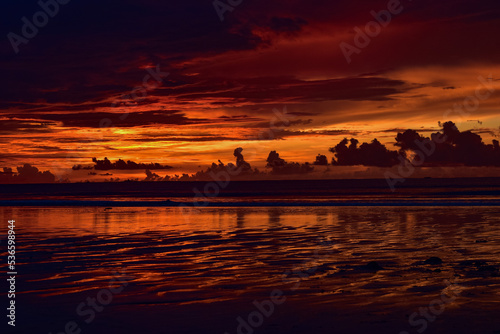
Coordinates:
[322,270]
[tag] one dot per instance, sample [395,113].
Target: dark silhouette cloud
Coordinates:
[368,154]
[216,172]
[81,167]
[281,167]
[26,174]
[449,147]
[230,170]
[241,169]
[150,176]
[274,160]
[321,160]
[221,172]
[240,161]
[453,147]
[120,164]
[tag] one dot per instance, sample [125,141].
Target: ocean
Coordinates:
[255,269]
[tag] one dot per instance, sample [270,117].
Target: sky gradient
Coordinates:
[170,83]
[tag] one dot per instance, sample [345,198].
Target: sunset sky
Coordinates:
[226,78]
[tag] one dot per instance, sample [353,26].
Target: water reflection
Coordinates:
[274,216]
[174,259]
[240,218]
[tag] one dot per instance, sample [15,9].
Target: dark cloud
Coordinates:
[126,118]
[45,147]
[101,46]
[120,164]
[93,52]
[281,167]
[150,176]
[262,90]
[79,140]
[392,130]
[447,148]
[186,138]
[457,148]
[26,174]
[242,170]
[107,119]
[321,160]
[241,164]
[347,153]
[277,134]
[283,134]
[12,126]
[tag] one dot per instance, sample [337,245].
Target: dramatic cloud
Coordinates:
[281,167]
[240,160]
[321,160]
[368,154]
[120,164]
[453,147]
[26,174]
[12,126]
[218,172]
[100,94]
[104,119]
[449,147]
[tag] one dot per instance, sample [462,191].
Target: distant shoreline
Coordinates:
[326,193]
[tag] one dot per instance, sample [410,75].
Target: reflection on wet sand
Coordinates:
[370,268]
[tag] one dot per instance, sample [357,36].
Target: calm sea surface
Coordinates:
[340,270]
